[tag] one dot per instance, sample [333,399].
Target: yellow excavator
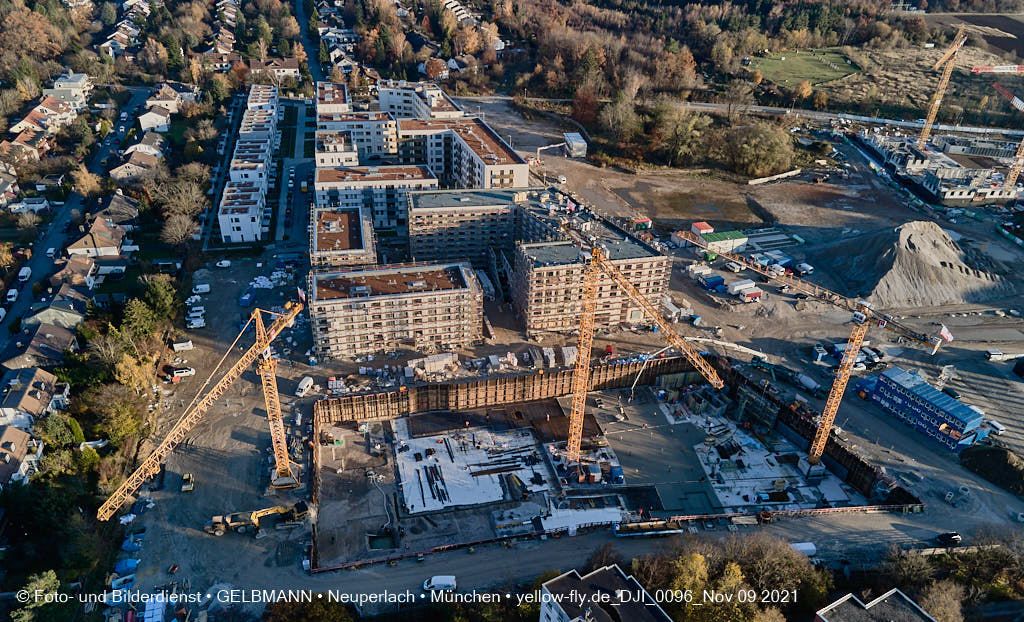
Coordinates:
[243,522]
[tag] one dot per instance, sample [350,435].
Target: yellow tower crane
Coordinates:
[599,263]
[948,62]
[283,476]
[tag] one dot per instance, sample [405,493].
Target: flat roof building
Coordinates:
[335,148]
[332,97]
[341,237]
[262,96]
[462,225]
[465,153]
[416,100]
[381,189]
[432,307]
[240,213]
[375,134]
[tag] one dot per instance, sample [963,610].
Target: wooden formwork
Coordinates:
[479,393]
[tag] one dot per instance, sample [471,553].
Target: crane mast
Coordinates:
[948,62]
[151,465]
[835,396]
[267,369]
[599,263]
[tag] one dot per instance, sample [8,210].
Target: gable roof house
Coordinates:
[152,144]
[67,308]
[29,393]
[40,346]
[77,271]
[9,189]
[156,118]
[19,455]
[120,210]
[101,240]
[279,67]
[166,97]
[137,165]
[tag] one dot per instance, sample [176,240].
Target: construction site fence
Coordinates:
[479,393]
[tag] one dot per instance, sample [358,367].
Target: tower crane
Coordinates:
[835,396]
[258,353]
[1018,159]
[599,263]
[947,62]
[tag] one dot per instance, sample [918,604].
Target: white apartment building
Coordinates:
[259,124]
[381,189]
[262,96]
[251,162]
[416,100]
[335,148]
[375,134]
[241,212]
[331,98]
[465,153]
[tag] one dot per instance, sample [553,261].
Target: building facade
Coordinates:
[341,237]
[380,189]
[428,307]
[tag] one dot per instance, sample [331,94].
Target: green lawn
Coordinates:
[291,115]
[177,132]
[816,66]
[287,142]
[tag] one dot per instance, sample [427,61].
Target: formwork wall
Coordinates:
[468,394]
[799,419]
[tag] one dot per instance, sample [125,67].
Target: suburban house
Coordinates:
[72,89]
[220,61]
[67,308]
[171,95]
[19,455]
[139,164]
[49,115]
[39,346]
[9,189]
[279,67]
[156,118]
[101,240]
[29,393]
[77,271]
[894,605]
[120,210]
[28,145]
[151,143]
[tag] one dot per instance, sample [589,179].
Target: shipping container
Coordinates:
[738,286]
[710,281]
[750,295]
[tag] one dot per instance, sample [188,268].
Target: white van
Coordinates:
[304,386]
[201,288]
[732,266]
[997,428]
[196,323]
[12,295]
[440,583]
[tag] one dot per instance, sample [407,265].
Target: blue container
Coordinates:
[616,475]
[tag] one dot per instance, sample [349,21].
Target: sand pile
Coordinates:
[915,265]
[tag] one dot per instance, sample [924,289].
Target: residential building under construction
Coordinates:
[341,237]
[427,307]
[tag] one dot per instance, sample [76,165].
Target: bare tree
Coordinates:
[28,220]
[85,183]
[194,172]
[738,95]
[943,600]
[178,229]
[182,196]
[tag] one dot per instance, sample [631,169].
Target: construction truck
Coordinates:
[243,522]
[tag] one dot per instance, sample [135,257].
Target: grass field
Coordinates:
[815,66]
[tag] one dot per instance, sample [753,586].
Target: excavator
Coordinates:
[283,475]
[241,522]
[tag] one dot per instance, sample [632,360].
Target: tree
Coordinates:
[42,583]
[84,182]
[134,374]
[943,600]
[161,294]
[820,100]
[108,13]
[756,77]
[183,196]
[154,56]
[139,321]
[54,430]
[908,568]
[6,256]
[178,229]
[323,54]
[289,28]
[681,132]
[28,220]
[435,68]
[803,90]
[119,419]
[194,172]
[620,118]
[758,149]
[738,95]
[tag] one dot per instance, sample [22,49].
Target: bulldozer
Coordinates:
[242,522]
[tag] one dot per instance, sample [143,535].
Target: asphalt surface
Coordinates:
[312,51]
[55,236]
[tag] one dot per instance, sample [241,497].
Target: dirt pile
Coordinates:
[915,265]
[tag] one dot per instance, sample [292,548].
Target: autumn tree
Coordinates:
[803,90]
[681,133]
[820,100]
[738,95]
[758,149]
[178,229]
[435,68]
[290,28]
[84,182]
[943,600]
[154,56]
[585,107]
[620,118]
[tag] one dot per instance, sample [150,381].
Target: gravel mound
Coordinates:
[915,265]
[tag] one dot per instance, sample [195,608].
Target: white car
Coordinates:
[184,372]
[224,263]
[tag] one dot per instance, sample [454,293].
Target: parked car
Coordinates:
[224,263]
[184,372]
[950,538]
[188,482]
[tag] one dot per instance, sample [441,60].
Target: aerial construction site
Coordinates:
[470,358]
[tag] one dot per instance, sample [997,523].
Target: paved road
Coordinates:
[54,236]
[794,113]
[312,51]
